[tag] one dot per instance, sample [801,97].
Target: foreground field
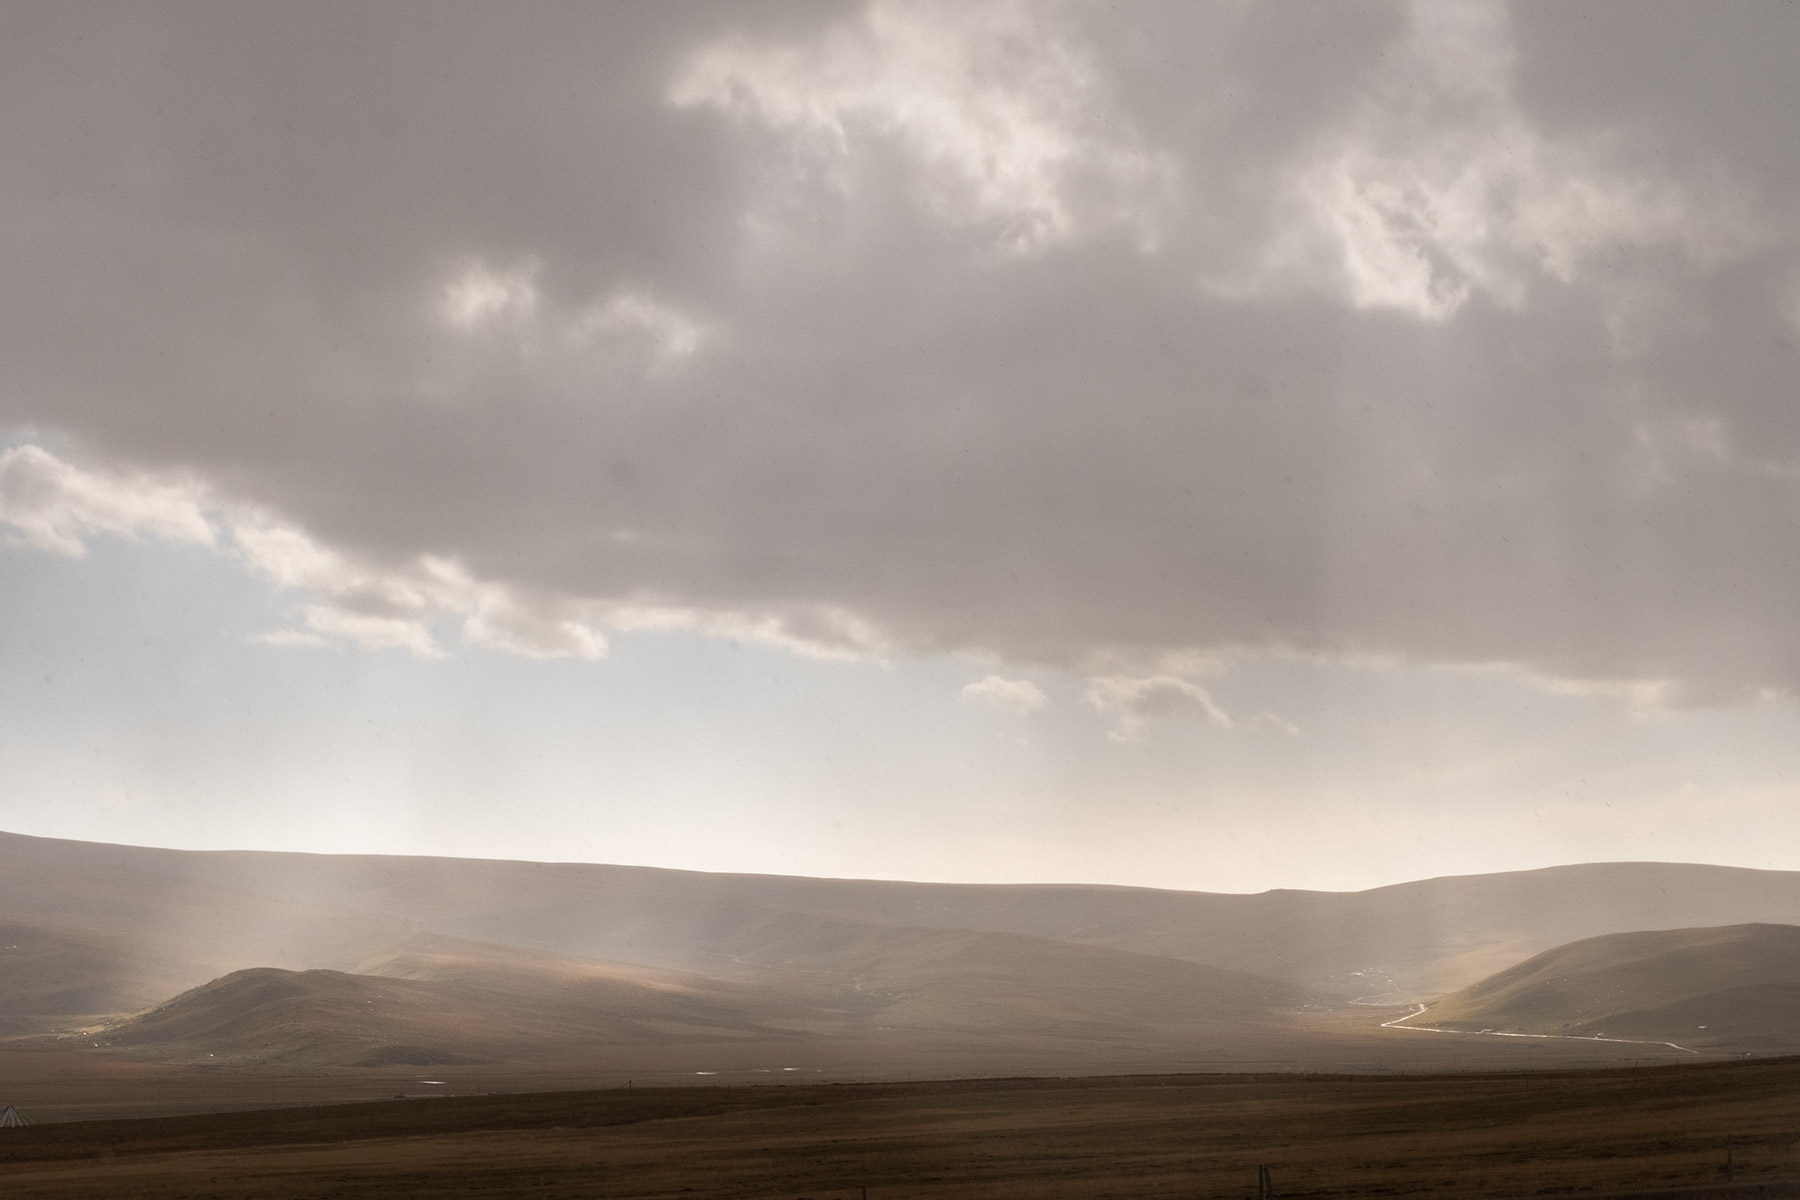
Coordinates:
[1186,1136]
[74,1079]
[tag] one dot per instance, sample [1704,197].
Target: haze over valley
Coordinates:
[357,967]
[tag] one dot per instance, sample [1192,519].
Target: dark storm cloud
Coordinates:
[1448,335]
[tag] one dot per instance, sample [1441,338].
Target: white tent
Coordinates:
[12,1118]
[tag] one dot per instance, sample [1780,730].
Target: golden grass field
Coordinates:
[1158,1136]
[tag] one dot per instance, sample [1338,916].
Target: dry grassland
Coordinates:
[1178,1136]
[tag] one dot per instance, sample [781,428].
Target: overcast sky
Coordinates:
[1211,445]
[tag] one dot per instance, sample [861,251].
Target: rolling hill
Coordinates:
[454,960]
[48,973]
[440,1001]
[1735,988]
[308,1019]
[231,910]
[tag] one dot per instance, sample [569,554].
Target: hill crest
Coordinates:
[1732,987]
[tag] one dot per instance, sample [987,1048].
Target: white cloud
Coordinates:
[1133,703]
[503,618]
[662,333]
[520,631]
[994,110]
[713,335]
[501,314]
[368,630]
[286,555]
[394,606]
[1007,695]
[481,295]
[380,606]
[812,631]
[370,607]
[55,505]
[1439,187]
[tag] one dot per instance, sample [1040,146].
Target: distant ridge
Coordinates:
[223,911]
[323,962]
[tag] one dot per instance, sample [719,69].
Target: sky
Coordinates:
[1212,445]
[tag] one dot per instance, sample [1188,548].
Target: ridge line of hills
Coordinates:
[269,958]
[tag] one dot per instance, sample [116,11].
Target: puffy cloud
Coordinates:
[373,631]
[1451,333]
[480,295]
[995,111]
[1133,703]
[55,506]
[1436,188]
[501,622]
[1007,695]
[394,606]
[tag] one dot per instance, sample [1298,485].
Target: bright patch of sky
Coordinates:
[138,704]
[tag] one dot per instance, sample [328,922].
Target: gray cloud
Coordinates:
[1452,335]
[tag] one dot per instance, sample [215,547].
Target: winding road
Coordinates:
[1399,1023]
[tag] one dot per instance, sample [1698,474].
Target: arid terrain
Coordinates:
[398,1027]
[143,982]
[1736,987]
[1606,1132]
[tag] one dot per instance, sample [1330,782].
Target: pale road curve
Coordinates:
[1396,1023]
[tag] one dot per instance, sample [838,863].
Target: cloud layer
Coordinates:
[1019,696]
[1451,333]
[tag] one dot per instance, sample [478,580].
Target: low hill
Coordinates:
[1732,988]
[311,1018]
[437,1001]
[304,1019]
[225,911]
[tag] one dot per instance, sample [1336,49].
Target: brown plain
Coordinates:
[1182,1136]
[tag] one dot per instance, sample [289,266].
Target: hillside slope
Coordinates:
[48,973]
[294,1019]
[444,1001]
[1731,988]
[232,910]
